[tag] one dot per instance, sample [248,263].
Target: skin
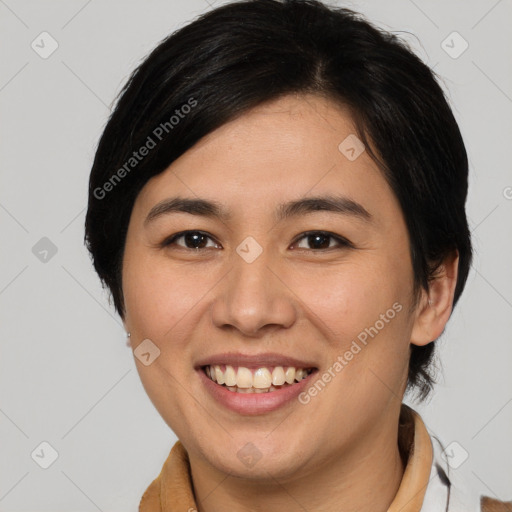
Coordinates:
[339,451]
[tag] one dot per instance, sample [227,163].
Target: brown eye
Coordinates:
[190,240]
[321,240]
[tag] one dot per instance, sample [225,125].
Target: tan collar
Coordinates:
[172,490]
[416,449]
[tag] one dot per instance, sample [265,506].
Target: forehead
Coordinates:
[289,148]
[291,128]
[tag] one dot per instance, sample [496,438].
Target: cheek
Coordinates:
[346,299]
[158,297]
[362,311]
[161,305]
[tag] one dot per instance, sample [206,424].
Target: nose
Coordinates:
[253,298]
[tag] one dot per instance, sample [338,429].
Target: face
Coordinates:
[300,260]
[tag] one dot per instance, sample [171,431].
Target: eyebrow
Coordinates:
[212,209]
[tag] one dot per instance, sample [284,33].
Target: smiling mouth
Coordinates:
[240,379]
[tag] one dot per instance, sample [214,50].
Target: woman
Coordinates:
[277,205]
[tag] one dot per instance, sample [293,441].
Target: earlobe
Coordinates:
[435,305]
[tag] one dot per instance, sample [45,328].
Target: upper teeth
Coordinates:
[261,378]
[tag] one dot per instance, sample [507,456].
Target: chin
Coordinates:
[259,456]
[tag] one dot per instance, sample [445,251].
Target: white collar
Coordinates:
[447,491]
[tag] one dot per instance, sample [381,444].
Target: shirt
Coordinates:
[429,484]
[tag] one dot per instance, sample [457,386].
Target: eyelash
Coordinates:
[343,242]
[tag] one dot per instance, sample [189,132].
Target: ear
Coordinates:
[435,305]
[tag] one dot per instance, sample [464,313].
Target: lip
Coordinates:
[267,359]
[252,404]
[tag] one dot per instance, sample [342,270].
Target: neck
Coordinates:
[364,478]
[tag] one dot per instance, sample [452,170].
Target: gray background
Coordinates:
[67,376]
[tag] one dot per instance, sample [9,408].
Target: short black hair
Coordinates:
[245,53]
